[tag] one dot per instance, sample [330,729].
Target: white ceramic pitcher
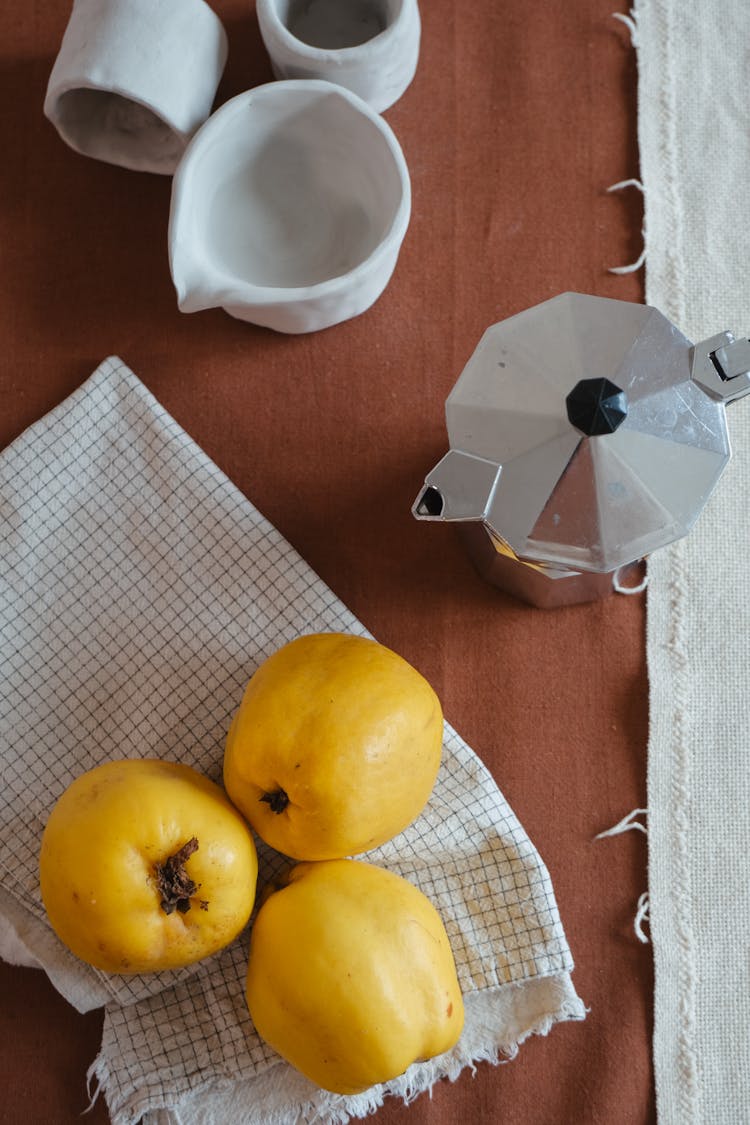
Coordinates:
[289,208]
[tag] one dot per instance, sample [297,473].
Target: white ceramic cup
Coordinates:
[134,79]
[369,46]
[289,208]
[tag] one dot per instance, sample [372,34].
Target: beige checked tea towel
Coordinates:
[138,592]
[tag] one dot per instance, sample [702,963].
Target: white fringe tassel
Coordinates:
[632,182]
[631,22]
[636,265]
[627,824]
[633,267]
[620,588]
[630,824]
[641,916]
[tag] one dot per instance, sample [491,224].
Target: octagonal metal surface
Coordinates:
[556,496]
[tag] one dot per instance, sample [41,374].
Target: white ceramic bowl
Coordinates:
[134,79]
[289,208]
[369,46]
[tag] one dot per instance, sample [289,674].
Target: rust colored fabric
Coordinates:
[520,117]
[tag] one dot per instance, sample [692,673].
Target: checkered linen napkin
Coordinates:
[139,590]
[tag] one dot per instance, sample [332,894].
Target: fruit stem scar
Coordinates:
[175,885]
[277,800]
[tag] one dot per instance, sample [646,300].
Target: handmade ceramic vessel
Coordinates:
[134,79]
[585,433]
[369,46]
[289,208]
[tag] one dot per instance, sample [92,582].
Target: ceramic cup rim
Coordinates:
[270,295]
[267,11]
[73,84]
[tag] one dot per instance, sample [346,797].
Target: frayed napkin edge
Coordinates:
[498,1021]
[27,942]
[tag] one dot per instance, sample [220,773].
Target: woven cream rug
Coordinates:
[694,134]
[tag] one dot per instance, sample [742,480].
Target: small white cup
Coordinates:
[369,46]
[134,79]
[289,208]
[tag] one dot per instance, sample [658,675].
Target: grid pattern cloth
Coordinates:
[139,590]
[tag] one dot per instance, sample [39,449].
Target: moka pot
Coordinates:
[585,433]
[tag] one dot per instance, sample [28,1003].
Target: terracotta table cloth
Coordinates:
[519,119]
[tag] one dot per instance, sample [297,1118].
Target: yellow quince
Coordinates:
[335,747]
[145,865]
[351,977]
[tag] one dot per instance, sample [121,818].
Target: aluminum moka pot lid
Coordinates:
[585,432]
